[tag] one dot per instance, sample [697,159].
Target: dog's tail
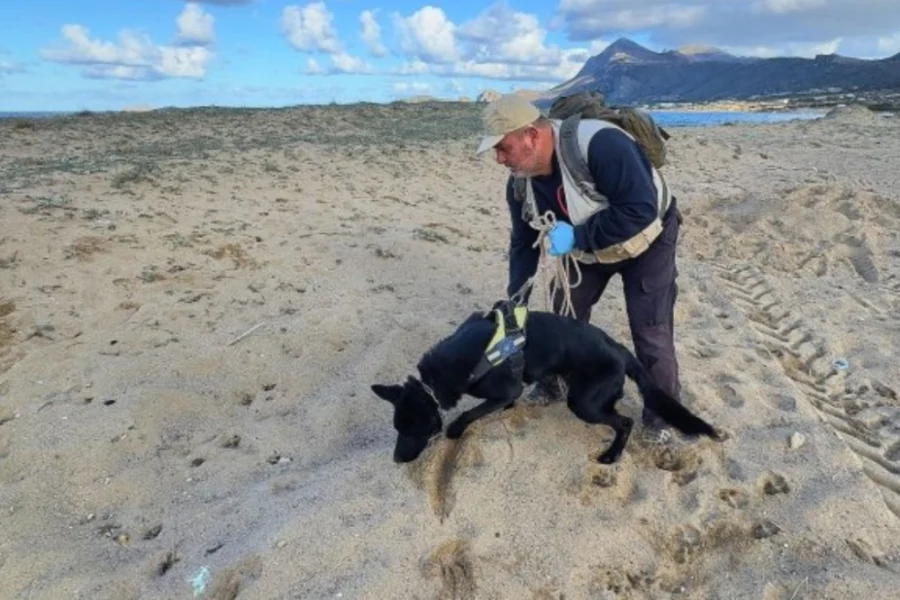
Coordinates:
[661,403]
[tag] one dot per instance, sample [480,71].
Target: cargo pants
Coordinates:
[648,281]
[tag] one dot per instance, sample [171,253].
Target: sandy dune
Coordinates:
[147,450]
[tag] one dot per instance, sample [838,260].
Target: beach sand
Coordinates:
[150,449]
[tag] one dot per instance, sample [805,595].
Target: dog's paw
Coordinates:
[608,458]
[456,429]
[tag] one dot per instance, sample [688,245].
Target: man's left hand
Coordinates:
[562,239]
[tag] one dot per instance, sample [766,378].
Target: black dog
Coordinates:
[592,364]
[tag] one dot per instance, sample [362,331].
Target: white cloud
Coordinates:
[194,25]
[341,63]
[503,35]
[371,33]
[428,35]
[412,87]
[798,50]
[780,7]
[889,45]
[779,27]
[499,43]
[345,63]
[313,68]
[134,57]
[310,28]
[570,62]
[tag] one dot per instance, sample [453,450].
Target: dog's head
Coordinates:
[416,417]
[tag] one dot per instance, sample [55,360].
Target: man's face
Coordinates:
[518,152]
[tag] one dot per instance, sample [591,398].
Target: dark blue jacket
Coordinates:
[622,173]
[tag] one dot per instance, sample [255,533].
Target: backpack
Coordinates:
[592,105]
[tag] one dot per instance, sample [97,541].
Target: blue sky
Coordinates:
[100,55]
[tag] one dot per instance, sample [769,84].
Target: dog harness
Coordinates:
[507,342]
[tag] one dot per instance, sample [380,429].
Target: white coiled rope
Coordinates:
[558,265]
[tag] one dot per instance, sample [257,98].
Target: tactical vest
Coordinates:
[583,199]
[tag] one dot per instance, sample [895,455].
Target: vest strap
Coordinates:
[574,161]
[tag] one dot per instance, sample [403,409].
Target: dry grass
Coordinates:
[171,136]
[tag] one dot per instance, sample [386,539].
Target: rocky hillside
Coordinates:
[628,73]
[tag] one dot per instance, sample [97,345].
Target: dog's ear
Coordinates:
[391,393]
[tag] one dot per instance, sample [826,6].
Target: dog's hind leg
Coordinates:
[594,401]
[458,426]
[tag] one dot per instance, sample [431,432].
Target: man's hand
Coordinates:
[562,239]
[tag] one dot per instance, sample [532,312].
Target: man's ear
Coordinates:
[391,393]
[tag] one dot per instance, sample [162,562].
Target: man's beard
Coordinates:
[527,169]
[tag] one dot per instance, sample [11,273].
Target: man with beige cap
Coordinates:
[615,215]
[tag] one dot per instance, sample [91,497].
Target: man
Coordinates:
[632,234]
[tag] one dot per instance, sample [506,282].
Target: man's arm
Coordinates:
[523,258]
[622,174]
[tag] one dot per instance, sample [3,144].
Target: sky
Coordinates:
[103,55]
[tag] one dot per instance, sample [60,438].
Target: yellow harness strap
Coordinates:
[507,341]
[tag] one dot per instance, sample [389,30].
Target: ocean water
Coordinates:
[666,118]
[30,115]
[674,118]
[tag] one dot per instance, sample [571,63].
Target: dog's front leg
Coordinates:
[457,427]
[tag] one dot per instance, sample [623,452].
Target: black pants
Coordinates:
[650,292]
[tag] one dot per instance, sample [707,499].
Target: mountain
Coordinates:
[697,53]
[628,73]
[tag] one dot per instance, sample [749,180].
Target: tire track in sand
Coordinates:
[804,357]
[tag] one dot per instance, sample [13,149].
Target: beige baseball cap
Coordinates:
[503,116]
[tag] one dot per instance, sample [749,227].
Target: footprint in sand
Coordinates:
[677,460]
[764,529]
[772,484]
[604,478]
[734,498]
[450,562]
[727,391]
[866,552]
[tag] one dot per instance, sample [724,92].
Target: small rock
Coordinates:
[796,440]
[281,544]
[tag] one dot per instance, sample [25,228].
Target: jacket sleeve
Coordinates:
[523,258]
[622,173]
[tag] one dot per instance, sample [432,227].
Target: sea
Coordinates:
[674,118]
[665,118]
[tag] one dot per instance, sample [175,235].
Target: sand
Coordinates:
[150,449]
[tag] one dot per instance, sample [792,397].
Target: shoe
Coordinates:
[547,391]
[654,430]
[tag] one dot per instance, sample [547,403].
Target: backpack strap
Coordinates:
[574,160]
